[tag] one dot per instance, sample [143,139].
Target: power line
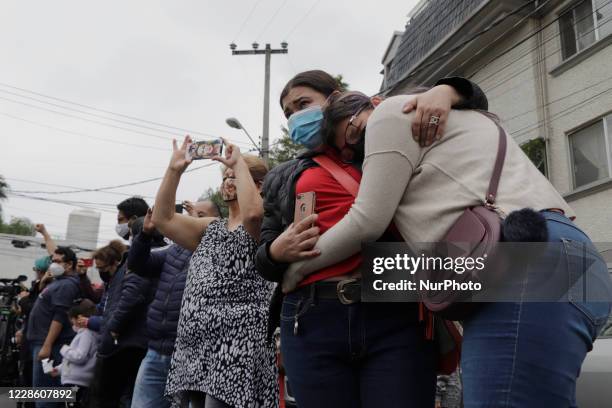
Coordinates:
[569,109]
[498,83]
[69,203]
[70,132]
[102,189]
[64,186]
[527,38]
[190,131]
[559,99]
[125,122]
[461,45]
[502,35]
[271,20]
[85,119]
[166,138]
[248,17]
[101,206]
[301,20]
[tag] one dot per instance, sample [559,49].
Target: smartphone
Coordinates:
[87,262]
[204,149]
[304,206]
[178,208]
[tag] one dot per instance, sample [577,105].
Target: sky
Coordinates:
[162,68]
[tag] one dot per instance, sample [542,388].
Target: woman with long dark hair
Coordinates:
[342,352]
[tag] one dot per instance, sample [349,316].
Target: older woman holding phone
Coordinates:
[515,354]
[222,357]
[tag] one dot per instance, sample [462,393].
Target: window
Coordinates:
[585,23]
[590,153]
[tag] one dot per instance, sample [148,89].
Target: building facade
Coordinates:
[546,68]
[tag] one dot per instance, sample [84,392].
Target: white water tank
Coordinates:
[83,228]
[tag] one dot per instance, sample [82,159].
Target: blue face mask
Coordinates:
[305,127]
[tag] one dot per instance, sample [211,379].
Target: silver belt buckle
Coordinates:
[340,290]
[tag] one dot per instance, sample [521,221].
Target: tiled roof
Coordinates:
[437,19]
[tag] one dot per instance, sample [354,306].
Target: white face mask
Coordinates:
[122,230]
[56,269]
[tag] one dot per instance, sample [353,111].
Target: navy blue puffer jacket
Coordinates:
[124,312]
[170,265]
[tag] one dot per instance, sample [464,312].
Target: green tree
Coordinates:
[215,196]
[3,193]
[344,86]
[18,226]
[283,149]
[535,149]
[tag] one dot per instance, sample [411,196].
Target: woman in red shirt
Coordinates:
[337,351]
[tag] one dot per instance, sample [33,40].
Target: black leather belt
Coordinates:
[347,291]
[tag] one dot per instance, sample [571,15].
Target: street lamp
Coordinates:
[235,123]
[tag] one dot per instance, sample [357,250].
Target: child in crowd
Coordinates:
[77,367]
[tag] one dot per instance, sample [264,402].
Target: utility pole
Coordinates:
[268,51]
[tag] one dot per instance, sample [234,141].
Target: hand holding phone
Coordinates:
[304,206]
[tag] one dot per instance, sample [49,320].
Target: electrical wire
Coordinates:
[302,19]
[64,186]
[498,82]
[248,17]
[79,134]
[541,29]
[460,45]
[103,189]
[180,129]
[271,20]
[166,138]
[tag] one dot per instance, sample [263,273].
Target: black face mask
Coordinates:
[105,276]
[355,153]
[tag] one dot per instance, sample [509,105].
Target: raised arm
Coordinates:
[249,197]
[184,230]
[378,198]
[50,244]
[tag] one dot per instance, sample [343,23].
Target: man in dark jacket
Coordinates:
[87,290]
[170,265]
[123,337]
[48,325]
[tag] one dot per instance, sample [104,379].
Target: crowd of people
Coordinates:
[187,308]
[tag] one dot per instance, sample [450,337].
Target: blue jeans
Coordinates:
[529,354]
[42,380]
[151,381]
[358,355]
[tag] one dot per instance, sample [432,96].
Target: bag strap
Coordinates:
[499,163]
[342,177]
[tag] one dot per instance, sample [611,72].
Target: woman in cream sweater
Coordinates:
[522,354]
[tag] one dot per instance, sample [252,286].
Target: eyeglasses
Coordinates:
[353,133]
